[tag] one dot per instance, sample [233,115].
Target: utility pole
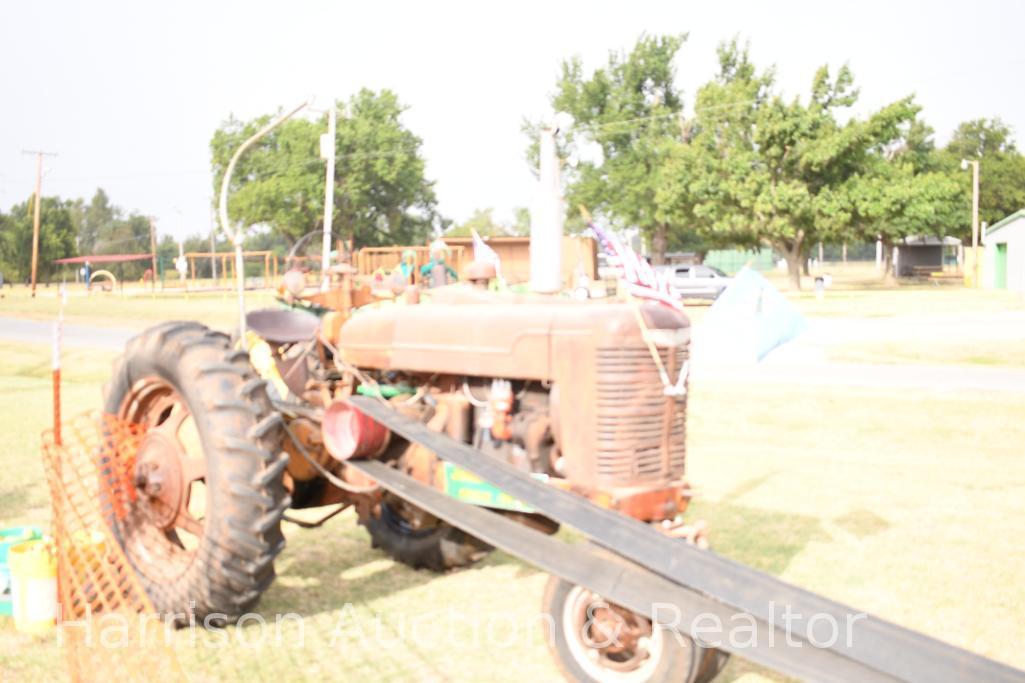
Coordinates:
[975,217]
[153,252]
[327,151]
[35,211]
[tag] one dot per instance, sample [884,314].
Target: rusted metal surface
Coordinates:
[644,503]
[164,471]
[619,639]
[309,435]
[348,433]
[89,475]
[613,424]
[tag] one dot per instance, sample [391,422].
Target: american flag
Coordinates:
[640,278]
[482,252]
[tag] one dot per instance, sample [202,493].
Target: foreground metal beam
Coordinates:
[623,582]
[875,648]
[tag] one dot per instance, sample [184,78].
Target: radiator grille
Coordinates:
[634,417]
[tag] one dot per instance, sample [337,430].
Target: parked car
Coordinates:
[698,281]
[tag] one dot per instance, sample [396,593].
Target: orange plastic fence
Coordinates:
[107,621]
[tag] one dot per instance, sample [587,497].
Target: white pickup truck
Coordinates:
[697,281]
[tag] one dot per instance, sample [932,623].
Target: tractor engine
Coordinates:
[564,388]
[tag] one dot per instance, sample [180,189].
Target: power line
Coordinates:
[671,115]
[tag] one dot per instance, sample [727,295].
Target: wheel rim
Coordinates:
[164,528]
[611,644]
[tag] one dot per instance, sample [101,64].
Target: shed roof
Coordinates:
[104,258]
[929,241]
[1006,221]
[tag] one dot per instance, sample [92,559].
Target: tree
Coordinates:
[977,138]
[483,221]
[894,201]
[521,221]
[629,109]
[715,149]
[101,227]
[382,194]
[93,222]
[56,237]
[765,170]
[1001,169]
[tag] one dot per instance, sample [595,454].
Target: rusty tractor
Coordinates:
[454,420]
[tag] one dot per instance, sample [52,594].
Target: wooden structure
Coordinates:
[369,260]
[579,256]
[226,271]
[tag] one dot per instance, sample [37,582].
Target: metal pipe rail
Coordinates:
[642,568]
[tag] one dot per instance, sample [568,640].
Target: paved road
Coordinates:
[939,378]
[41,332]
[801,362]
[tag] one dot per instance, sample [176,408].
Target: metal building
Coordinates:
[1004,265]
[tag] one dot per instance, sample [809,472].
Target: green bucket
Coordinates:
[8,539]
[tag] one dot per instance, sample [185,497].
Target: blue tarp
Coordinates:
[751,317]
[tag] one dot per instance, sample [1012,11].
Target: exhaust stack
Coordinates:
[546,221]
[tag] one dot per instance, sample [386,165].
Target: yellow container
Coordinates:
[33,586]
[87,553]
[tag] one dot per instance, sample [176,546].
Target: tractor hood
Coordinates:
[466,331]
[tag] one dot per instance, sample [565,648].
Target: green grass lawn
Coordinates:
[993,352]
[908,506]
[911,300]
[137,308]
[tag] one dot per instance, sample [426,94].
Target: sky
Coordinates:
[128,94]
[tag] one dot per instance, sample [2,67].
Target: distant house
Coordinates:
[922,255]
[1004,265]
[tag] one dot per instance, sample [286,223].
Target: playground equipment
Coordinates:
[109,282]
[226,266]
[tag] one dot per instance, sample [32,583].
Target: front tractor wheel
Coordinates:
[594,641]
[417,539]
[204,527]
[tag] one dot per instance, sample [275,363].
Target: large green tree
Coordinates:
[775,171]
[905,190]
[56,238]
[382,194]
[93,221]
[1001,169]
[629,110]
[101,227]
[894,201]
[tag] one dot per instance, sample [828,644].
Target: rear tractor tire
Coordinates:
[205,527]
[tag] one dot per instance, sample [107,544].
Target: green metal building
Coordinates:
[1004,265]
